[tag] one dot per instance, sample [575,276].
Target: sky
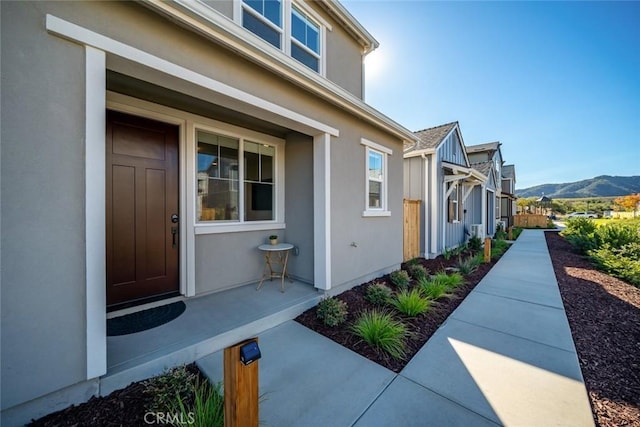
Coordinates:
[557,83]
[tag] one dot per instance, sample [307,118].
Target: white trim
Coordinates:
[95,212]
[435,209]
[322,211]
[237,227]
[384,152]
[84,36]
[374,213]
[376,146]
[230,34]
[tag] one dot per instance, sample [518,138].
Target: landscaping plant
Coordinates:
[451,281]
[434,289]
[417,271]
[176,382]
[380,330]
[468,265]
[378,293]
[475,244]
[332,311]
[410,302]
[207,409]
[400,279]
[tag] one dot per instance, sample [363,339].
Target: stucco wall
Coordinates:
[43,248]
[43,276]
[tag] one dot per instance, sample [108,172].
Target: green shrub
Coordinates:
[583,243]
[583,226]
[410,302]
[417,271]
[332,311]
[413,261]
[378,293]
[400,279]
[500,234]
[498,247]
[207,407]
[164,388]
[623,262]
[451,281]
[434,290]
[617,235]
[468,265]
[479,258]
[382,331]
[475,243]
[516,231]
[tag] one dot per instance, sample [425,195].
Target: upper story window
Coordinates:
[292,28]
[376,180]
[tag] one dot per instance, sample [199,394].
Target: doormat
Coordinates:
[143,320]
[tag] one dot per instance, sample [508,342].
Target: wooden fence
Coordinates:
[530,221]
[411,229]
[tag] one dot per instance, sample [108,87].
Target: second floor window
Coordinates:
[300,36]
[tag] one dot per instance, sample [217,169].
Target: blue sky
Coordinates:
[558,83]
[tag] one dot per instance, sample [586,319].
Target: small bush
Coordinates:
[500,234]
[413,261]
[164,388]
[417,271]
[617,235]
[475,243]
[447,254]
[583,226]
[516,231]
[332,311]
[434,290]
[207,407]
[468,265]
[400,279]
[410,302]
[380,330]
[451,281]
[623,263]
[378,293]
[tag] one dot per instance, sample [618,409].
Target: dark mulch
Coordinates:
[125,407]
[604,315]
[422,326]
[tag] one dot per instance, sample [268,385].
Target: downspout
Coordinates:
[425,194]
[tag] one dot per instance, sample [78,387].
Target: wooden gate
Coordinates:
[411,229]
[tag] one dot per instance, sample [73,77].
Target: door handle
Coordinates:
[174,231]
[174,218]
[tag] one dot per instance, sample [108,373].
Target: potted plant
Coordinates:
[273,239]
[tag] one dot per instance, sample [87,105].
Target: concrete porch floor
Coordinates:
[210,323]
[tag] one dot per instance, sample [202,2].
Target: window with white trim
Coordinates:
[296,30]
[236,179]
[376,181]
[454,203]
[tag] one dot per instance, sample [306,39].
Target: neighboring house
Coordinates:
[508,198]
[149,147]
[487,158]
[437,172]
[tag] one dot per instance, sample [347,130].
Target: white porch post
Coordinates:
[95,178]
[322,211]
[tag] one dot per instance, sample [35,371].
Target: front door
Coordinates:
[142,209]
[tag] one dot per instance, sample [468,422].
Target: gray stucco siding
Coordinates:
[42,175]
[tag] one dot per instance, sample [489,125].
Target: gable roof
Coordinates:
[430,138]
[489,146]
[483,167]
[509,171]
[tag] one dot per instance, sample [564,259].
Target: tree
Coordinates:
[628,203]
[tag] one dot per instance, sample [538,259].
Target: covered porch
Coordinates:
[209,324]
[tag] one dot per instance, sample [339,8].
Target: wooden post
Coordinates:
[511,233]
[240,389]
[487,249]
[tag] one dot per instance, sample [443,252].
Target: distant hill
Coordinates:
[600,186]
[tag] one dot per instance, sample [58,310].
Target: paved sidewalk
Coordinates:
[504,357]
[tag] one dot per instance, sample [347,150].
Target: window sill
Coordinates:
[376,213]
[237,227]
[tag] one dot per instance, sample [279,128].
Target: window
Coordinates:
[264,19]
[454,203]
[376,179]
[236,179]
[305,39]
[300,35]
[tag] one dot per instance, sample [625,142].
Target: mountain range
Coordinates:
[600,186]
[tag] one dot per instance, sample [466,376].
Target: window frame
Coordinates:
[454,204]
[383,210]
[241,224]
[286,37]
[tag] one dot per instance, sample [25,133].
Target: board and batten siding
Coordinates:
[451,151]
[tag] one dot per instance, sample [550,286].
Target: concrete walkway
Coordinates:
[504,357]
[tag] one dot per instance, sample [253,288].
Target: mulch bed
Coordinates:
[604,315]
[422,326]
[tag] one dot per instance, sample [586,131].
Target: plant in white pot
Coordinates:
[273,239]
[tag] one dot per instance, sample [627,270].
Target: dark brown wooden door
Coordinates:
[142,197]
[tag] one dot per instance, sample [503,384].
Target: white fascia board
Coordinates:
[211,24]
[87,37]
[419,153]
[352,25]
